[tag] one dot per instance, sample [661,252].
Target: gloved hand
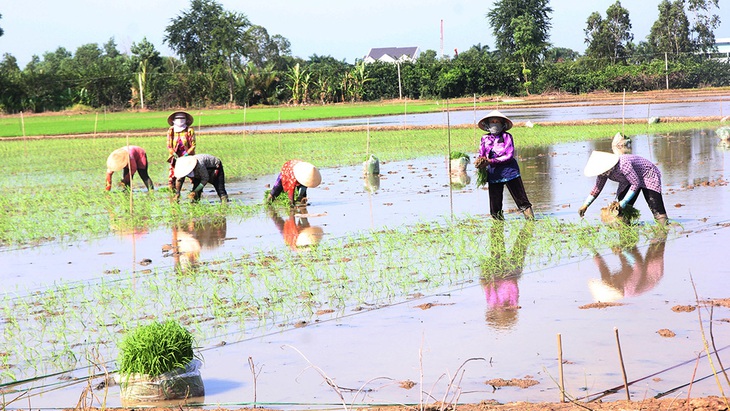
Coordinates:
[193,195]
[582,210]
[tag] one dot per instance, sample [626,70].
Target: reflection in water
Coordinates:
[460,180]
[296,230]
[189,240]
[637,274]
[372,182]
[500,273]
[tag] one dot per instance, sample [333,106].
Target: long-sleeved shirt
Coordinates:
[500,149]
[632,171]
[182,143]
[205,162]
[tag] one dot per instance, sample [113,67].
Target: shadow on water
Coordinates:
[506,311]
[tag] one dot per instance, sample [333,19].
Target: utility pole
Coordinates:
[442,39]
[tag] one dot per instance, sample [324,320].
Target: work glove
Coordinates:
[193,195]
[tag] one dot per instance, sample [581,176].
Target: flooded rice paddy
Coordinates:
[399,342]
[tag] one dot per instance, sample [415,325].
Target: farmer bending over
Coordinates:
[202,169]
[128,158]
[633,174]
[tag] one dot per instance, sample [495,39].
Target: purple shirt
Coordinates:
[632,171]
[500,149]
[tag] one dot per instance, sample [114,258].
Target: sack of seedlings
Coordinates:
[371,166]
[179,383]
[157,363]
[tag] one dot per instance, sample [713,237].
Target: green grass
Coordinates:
[156,121]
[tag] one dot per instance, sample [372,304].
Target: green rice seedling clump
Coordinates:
[155,349]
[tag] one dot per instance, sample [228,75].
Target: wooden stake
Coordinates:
[560,368]
[623,369]
[131,197]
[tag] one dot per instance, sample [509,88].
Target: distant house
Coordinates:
[392,54]
[723,49]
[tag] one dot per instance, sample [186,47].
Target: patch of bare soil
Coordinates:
[683,308]
[600,305]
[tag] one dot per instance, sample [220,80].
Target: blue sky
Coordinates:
[343,29]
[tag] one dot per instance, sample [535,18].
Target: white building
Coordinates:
[392,54]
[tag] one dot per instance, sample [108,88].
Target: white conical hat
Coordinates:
[118,159]
[307,174]
[600,162]
[184,165]
[484,123]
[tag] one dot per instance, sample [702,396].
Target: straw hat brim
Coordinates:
[600,162]
[484,123]
[307,174]
[184,165]
[309,236]
[117,160]
[188,117]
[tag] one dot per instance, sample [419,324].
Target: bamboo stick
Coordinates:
[623,369]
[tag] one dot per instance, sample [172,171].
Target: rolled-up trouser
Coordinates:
[516,189]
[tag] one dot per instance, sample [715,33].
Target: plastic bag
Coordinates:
[179,383]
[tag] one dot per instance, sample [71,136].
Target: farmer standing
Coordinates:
[131,159]
[295,177]
[180,140]
[497,159]
[202,169]
[633,174]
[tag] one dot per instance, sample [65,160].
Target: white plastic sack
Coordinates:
[177,384]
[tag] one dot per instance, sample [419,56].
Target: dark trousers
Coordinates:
[516,189]
[216,177]
[142,174]
[653,199]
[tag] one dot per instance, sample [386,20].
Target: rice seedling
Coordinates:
[156,348]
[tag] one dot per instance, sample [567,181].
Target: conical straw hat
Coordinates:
[188,118]
[484,123]
[184,165]
[307,174]
[600,162]
[118,159]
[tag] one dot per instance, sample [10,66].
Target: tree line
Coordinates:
[224,59]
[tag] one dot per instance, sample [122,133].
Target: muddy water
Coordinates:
[464,335]
[632,110]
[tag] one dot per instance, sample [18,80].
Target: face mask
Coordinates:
[495,128]
[179,124]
